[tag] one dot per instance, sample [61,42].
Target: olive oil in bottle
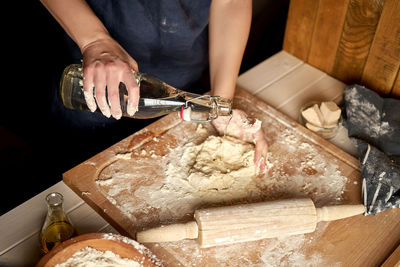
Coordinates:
[157,98]
[57,227]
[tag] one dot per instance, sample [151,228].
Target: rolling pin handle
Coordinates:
[331,213]
[169,233]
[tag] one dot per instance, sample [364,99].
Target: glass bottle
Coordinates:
[57,227]
[157,98]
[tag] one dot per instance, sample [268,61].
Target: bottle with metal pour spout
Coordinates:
[157,98]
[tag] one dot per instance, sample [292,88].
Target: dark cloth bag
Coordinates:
[373,122]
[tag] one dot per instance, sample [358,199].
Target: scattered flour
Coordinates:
[90,257]
[284,251]
[139,247]
[305,173]
[369,117]
[289,251]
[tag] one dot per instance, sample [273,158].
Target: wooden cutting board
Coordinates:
[127,185]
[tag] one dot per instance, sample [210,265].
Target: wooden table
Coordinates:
[282,81]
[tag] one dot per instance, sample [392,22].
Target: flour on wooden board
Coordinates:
[305,173]
[220,170]
[283,251]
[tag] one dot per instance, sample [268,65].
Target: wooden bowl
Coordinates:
[119,245]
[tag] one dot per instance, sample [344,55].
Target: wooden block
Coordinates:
[330,112]
[312,127]
[314,116]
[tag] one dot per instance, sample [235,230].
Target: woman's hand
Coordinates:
[243,128]
[107,64]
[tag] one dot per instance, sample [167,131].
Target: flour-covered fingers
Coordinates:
[113,80]
[133,92]
[100,91]
[88,87]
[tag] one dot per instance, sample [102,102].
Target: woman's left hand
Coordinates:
[240,126]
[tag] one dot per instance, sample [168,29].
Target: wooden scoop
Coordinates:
[248,222]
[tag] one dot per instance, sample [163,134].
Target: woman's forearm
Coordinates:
[105,63]
[229,29]
[78,20]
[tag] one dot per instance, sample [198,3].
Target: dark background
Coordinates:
[34,149]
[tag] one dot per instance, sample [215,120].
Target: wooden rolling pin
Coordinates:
[248,222]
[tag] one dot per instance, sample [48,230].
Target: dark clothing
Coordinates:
[167,38]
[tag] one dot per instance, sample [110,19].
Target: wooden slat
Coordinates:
[268,72]
[396,87]
[327,32]
[393,260]
[33,211]
[86,220]
[358,32]
[356,41]
[293,83]
[384,57]
[299,27]
[29,249]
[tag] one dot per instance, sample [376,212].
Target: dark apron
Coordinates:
[167,38]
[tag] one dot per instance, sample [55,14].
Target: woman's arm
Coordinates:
[228,33]
[105,62]
[78,20]
[229,29]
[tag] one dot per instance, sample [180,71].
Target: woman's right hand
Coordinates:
[107,64]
